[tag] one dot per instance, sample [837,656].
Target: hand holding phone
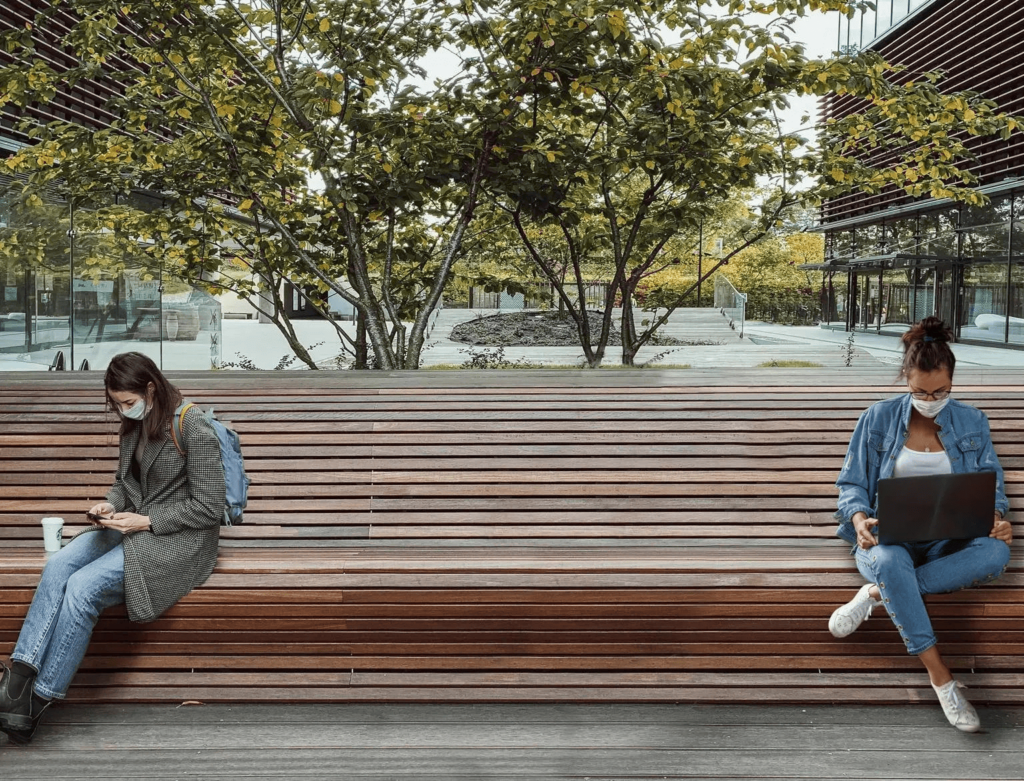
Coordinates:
[100,513]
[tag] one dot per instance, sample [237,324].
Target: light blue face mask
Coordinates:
[137,411]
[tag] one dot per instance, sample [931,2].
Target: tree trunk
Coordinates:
[628,327]
[361,352]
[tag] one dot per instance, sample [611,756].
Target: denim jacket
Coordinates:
[880,435]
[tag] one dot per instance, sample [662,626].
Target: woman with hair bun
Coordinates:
[921,432]
[153,540]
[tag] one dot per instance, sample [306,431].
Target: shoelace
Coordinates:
[953,695]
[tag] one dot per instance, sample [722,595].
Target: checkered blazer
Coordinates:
[184,499]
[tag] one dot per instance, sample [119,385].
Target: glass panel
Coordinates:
[884,15]
[938,234]
[92,292]
[868,241]
[34,263]
[867,27]
[1018,226]
[901,236]
[900,8]
[866,312]
[1016,303]
[841,245]
[922,297]
[984,304]
[129,302]
[833,297]
[944,294]
[995,212]
[844,34]
[896,299]
[986,231]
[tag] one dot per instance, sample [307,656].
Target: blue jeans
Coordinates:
[78,583]
[905,572]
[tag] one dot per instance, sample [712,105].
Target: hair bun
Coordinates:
[930,329]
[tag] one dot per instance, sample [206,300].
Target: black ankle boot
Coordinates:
[21,737]
[15,700]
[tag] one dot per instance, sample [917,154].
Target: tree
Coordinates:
[292,126]
[655,132]
[285,127]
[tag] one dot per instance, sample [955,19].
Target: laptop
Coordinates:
[936,507]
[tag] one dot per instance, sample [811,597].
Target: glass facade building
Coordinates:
[71,293]
[891,260]
[863,29]
[74,297]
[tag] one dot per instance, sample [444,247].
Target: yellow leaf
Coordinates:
[335,107]
[387,167]
[551,157]
[325,25]
[650,165]
[184,113]
[969,115]
[245,205]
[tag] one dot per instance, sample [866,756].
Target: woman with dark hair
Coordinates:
[921,432]
[152,541]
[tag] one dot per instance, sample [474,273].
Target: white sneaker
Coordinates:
[847,618]
[958,710]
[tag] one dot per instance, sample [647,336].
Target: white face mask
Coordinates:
[137,411]
[929,408]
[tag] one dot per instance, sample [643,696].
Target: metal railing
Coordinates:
[731,302]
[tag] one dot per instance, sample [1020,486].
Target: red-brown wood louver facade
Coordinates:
[978,45]
[82,103]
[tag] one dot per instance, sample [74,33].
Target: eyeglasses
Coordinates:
[938,395]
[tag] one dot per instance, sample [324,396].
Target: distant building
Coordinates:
[891,260]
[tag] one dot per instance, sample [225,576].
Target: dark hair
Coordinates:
[926,347]
[133,372]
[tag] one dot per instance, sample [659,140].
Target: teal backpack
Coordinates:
[235,479]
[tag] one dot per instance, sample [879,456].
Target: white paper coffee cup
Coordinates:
[53,531]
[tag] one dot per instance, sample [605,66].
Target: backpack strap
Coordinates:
[179,416]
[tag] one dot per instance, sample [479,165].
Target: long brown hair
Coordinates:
[926,347]
[132,373]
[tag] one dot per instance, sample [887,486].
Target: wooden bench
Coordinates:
[499,536]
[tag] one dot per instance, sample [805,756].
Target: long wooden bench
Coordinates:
[501,536]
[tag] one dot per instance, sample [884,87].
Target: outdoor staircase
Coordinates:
[700,325]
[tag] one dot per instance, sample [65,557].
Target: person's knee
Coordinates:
[58,570]
[888,558]
[82,595]
[997,556]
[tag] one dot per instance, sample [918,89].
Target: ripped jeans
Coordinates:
[78,583]
[905,572]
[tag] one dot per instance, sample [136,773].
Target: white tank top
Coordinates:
[912,463]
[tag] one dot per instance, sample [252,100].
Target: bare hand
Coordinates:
[864,525]
[127,522]
[1001,530]
[103,508]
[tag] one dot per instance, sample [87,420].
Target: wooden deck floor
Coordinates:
[506,742]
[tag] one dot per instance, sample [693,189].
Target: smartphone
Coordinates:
[96,518]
